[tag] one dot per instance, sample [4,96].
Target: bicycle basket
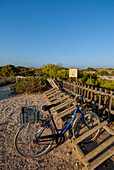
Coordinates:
[29,114]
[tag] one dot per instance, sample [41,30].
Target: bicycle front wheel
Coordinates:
[24,140]
[79,128]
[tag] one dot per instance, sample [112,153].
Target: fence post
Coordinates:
[104,111]
[79,89]
[110,104]
[91,92]
[87,92]
[99,101]
[84,91]
[74,87]
[82,88]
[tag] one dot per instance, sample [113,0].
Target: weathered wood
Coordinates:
[81,154]
[85,135]
[60,100]
[95,92]
[66,111]
[66,103]
[79,89]
[109,130]
[67,90]
[110,104]
[101,159]
[48,91]
[105,101]
[52,83]
[100,99]
[84,91]
[91,92]
[51,95]
[56,97]
[88,94]
[98,150]
[52,92]
[74,89]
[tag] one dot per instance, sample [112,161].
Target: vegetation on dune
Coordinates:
[30,85]
[102,73]
[11,71]
[55,71]
[36,78]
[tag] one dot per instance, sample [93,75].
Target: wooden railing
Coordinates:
[100,98]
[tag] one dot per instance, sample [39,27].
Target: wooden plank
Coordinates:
[88,93]
[67,90]
[85,135]
[112,112]
[49,90]
[91,92]
[56,97]
[109,130]
[81,154]
[57,92]
[84,91]
[110,104]
[100,99]
[52,92]
[63,104]
[66,111]
[52,83]
[74,87]
[101,159]
[97,150]
[79,89]
[60,100]
[104,111]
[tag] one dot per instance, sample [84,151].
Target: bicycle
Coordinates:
[35,139]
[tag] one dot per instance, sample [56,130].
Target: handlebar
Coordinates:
[77,95]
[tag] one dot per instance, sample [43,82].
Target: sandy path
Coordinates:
[63,157]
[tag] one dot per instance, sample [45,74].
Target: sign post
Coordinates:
[73,72]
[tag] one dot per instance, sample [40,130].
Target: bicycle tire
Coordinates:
[79,128]
[24,140]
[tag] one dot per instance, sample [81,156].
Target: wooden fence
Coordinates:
[102,99]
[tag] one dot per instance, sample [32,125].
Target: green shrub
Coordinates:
[90,69]
[30,85]
[112,73]
[103,73]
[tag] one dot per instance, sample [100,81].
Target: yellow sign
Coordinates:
[73,72]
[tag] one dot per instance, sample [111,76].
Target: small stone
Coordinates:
[77,163]
[68,154]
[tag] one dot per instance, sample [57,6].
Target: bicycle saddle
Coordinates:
[47,107]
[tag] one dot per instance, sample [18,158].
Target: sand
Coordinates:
[61,157]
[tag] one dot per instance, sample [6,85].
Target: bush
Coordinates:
[103,73]
[112,73]
[90,69]
[7,80]
[30,85]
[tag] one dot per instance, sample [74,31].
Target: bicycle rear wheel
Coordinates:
[25,136]
[79,127]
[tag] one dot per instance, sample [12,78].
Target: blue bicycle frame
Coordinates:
[62,131]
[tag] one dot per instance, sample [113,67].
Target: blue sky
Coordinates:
[74,33]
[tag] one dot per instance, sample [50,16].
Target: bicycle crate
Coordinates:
[29,114]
